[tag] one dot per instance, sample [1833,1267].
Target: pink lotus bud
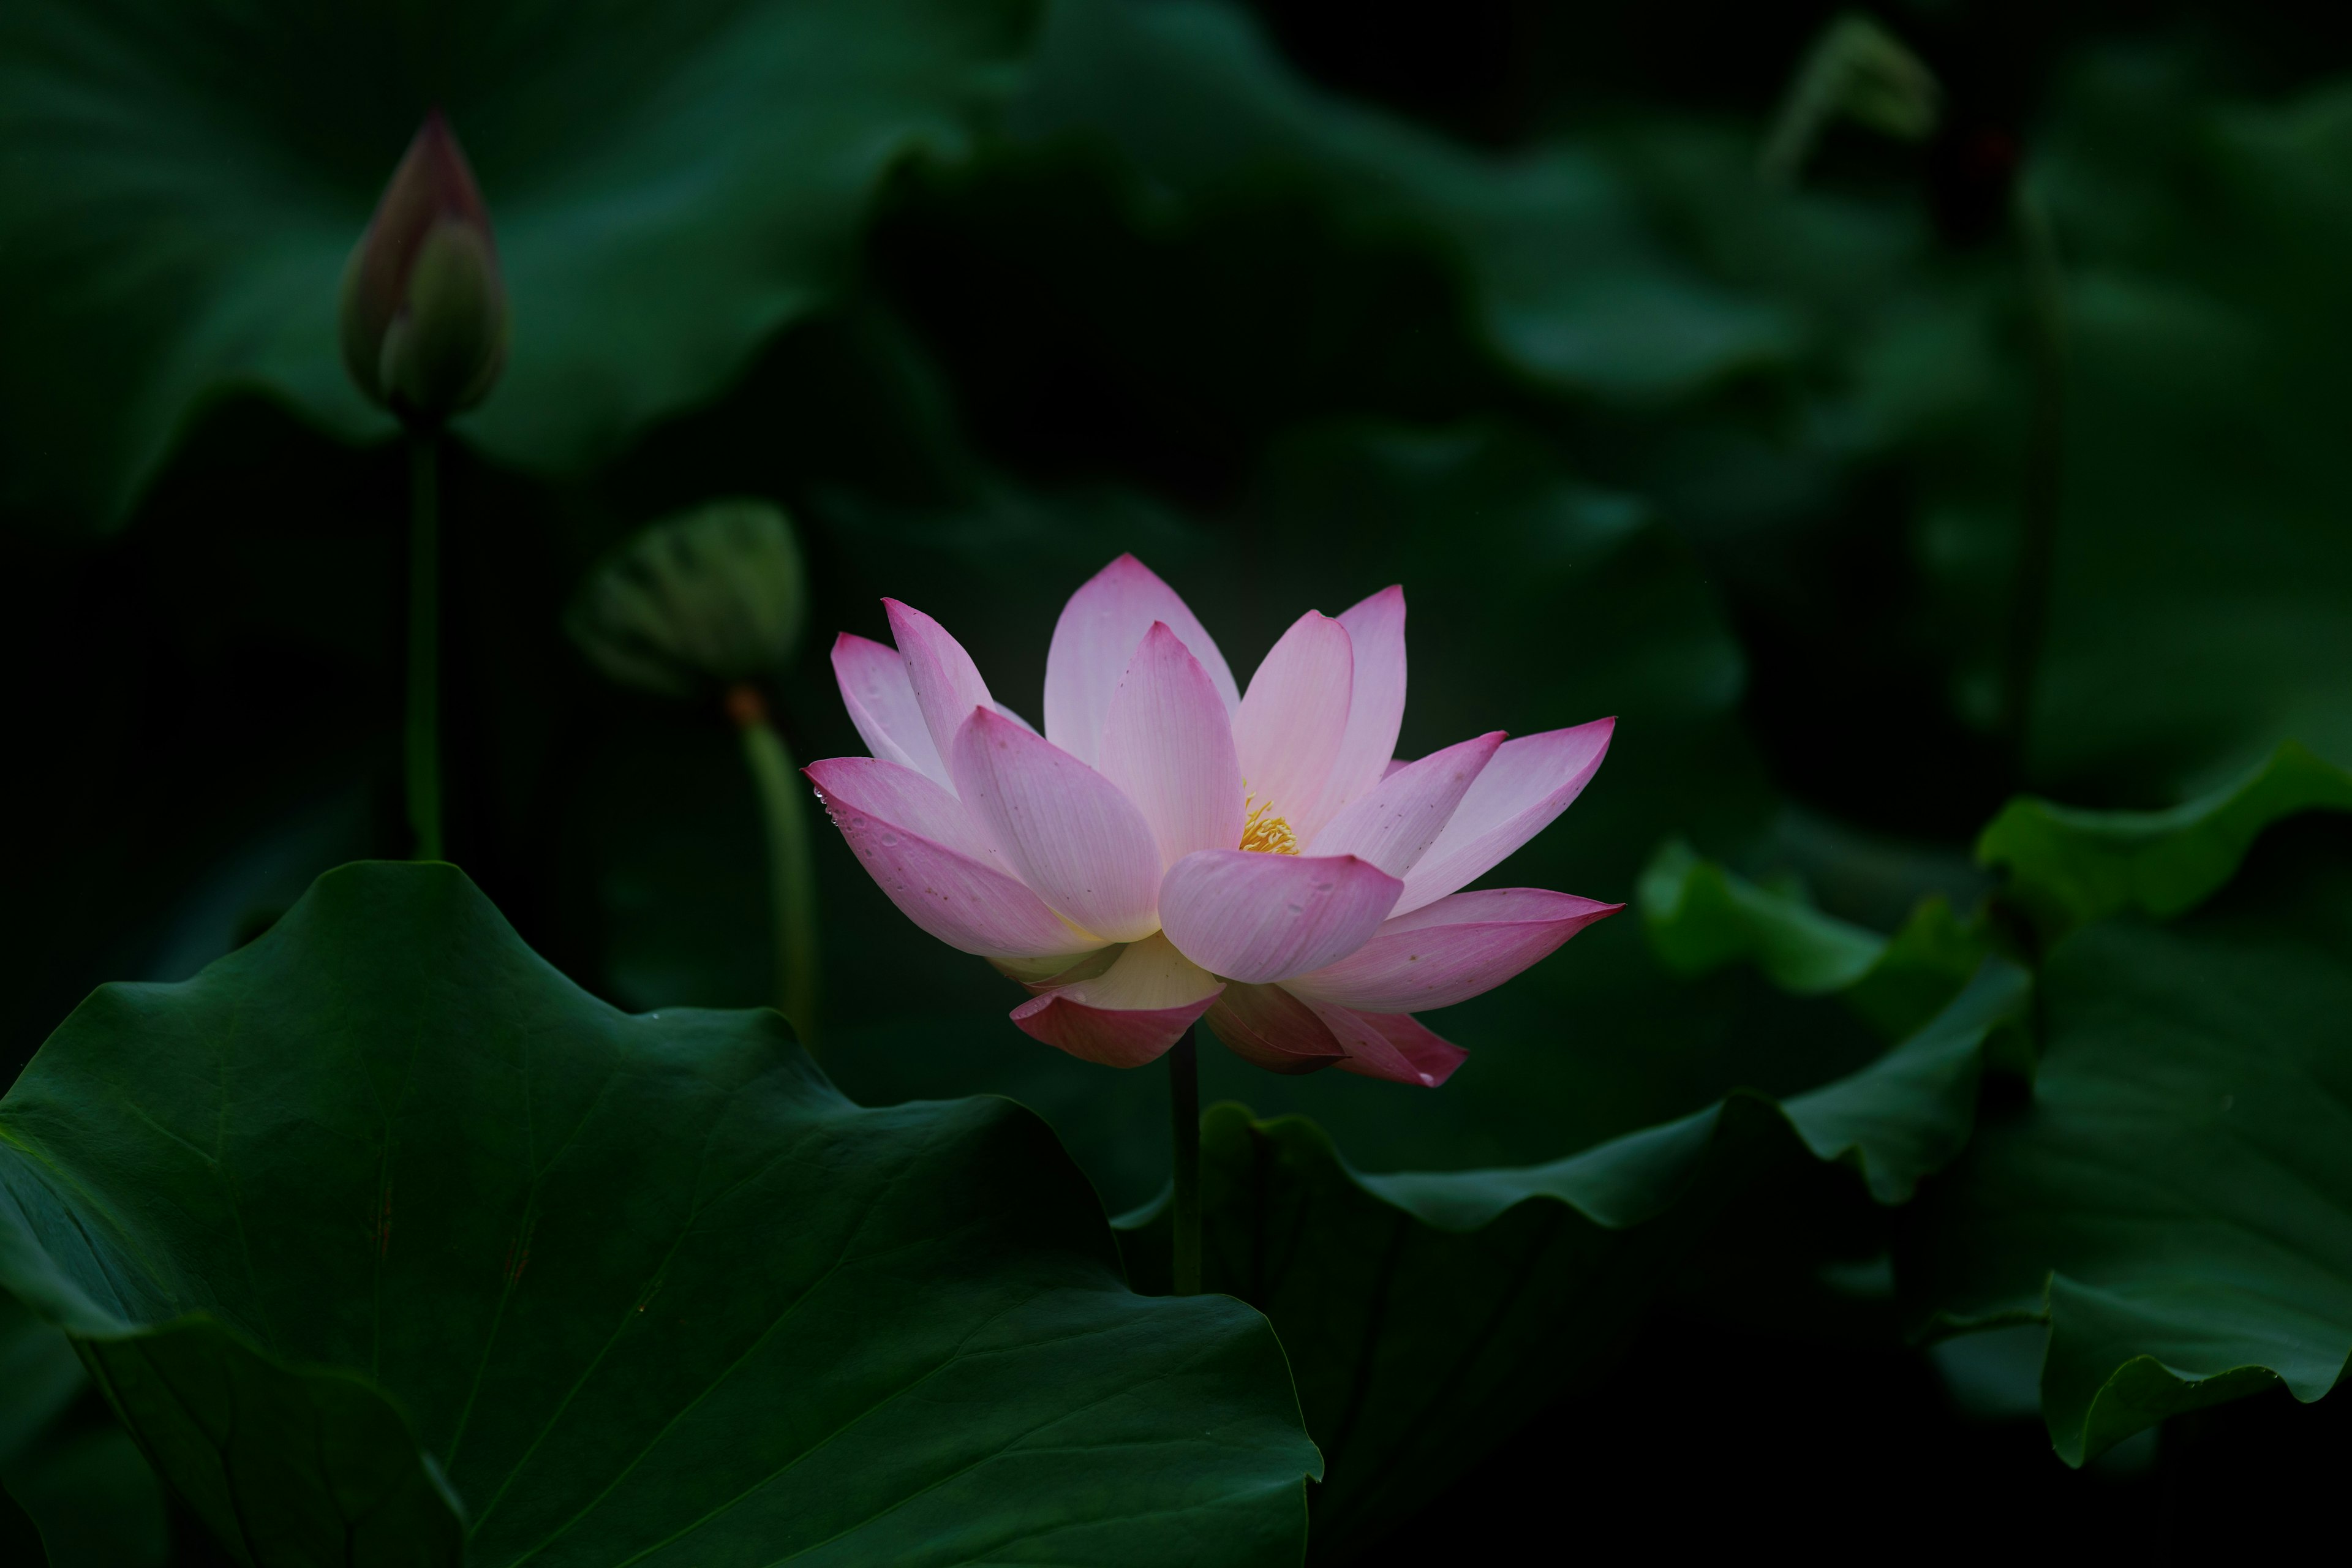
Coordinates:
[425,308]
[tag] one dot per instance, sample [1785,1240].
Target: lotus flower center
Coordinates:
[1263,833]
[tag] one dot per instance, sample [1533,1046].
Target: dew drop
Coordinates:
[888,840]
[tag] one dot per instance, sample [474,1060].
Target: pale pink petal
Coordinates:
[904,798]
[1393,765]
[1128,1014]
[1375,703]
[1062,827]
[1260,917]
[1100,628]
[1006,710]
[946,683]
[965,901]
[1453,950]
[1293,719]
[881,703]
[1267,1027]
[1398,818]
[1529,781]
[1391,1046]
[1169,745]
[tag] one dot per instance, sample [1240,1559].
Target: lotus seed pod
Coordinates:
[424,317]
[697,603]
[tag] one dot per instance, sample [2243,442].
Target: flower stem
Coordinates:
[792,880]
[2037,551]
[1184,1142]
[423,776]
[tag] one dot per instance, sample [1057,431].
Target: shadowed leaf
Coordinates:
[382,1198]
[1700,917]
[1428,1315]
[2069,867]
[2177,1198]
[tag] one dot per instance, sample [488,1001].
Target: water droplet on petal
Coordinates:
[888,840]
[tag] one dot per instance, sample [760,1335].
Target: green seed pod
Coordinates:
[697,603]
[424,317]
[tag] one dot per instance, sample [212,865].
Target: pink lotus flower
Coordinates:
[1172,847]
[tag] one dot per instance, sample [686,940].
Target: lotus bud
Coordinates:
[425,316]
[696,604]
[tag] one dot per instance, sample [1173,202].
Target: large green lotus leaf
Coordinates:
[381,1199]
[2203,572]
[2176,1198]
[1700,916]
[670,182]
[19,1536]
[86,1498]
[39,1376]
[2069,867]
[1568,282]
[2196,607]
[1428,1316]
[1865,514]
[93,1497]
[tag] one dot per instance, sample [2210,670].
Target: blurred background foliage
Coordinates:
[2007,459]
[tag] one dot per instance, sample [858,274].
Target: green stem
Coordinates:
[2037,552]
[424,644]
[792,880]
[1185,1141]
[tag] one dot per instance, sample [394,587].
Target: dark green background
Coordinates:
[1292,301]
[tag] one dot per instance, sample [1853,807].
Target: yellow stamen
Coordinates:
[1263,834]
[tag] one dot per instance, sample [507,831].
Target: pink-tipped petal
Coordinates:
[904,798]
[1375,703]
[946,683]
[1169,745]
[1529,783]
[1258,917]
[1394,822]
[1062,827]
[1267,1027]
[1293,719]
[1453,950]
[966,902]
[1391,1046]
[1101,627]
[1128,1014]
[881,703]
